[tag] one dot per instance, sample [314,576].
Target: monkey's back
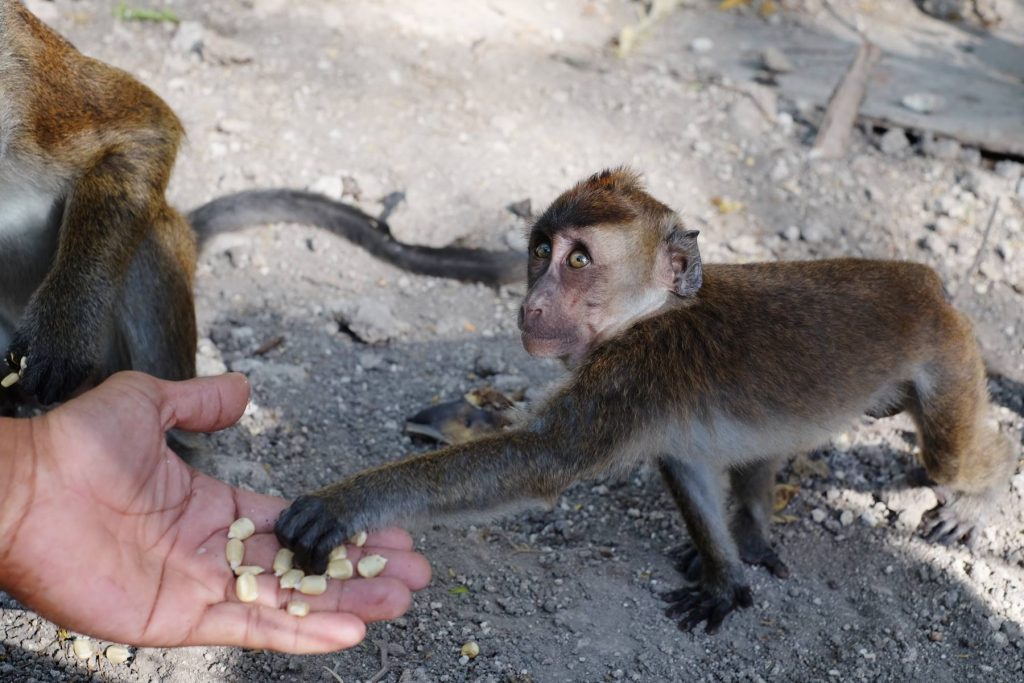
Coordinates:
[803,339]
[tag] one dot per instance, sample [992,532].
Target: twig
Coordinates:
[269,345]
[981,249]
[335,674]
[851,25]
[384,666]
[834,133]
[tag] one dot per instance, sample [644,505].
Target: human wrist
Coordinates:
[18,463]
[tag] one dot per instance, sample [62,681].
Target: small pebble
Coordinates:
[702,45]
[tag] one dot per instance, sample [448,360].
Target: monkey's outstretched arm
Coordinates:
[567,441]
[108,212]
[476,476]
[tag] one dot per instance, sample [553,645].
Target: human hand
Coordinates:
[104,530]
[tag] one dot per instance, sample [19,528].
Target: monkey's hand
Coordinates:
[61,355]
[315,524]
[694,604]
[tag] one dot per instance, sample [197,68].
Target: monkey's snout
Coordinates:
[529,316]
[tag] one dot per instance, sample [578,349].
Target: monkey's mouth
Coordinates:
[547,346]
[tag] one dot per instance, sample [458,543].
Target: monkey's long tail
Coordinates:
[256,207]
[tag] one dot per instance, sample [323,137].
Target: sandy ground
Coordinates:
[467,107]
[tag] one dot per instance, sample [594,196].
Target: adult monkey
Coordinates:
[703,370]
[97,268]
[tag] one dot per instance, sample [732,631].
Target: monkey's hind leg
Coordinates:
[965,455]
[722,586]
[753,487]
[156,325]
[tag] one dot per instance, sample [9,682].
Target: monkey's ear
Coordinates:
[684,258]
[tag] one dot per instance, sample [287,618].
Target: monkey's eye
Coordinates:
[578,259]
[542,250]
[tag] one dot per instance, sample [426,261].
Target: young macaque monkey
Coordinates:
[96,268]
[705,371]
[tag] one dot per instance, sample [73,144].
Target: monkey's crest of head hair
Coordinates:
[613,196]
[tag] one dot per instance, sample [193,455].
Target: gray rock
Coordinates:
[813,232]
[188,37]
[370,321]
[792,233]
[775,60]
[923,102]
[894,141]
[747,118]
[701,45]
[780,171]
[369,360]
[328,185]
[1009,170]
[488,363]
[510,384]
[933,243]
[45,11]
[946,149]
[909,504]
[219,49]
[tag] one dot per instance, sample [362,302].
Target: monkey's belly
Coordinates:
[29,223]
[728,441]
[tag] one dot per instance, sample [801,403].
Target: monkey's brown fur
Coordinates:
[87,147]
[97,268]
[705,371]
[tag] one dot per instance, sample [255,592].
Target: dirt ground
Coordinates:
[467,107]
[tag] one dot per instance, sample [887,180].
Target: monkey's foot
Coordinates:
[692,605]
[754,550]
[957,517]
[311,531]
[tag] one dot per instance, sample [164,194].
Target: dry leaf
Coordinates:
[804,467]
[726,206]
[783,494]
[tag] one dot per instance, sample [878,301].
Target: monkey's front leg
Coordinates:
[698,491]
[69,316]
[490,473]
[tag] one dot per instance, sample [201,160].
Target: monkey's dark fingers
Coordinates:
[310,530]
[52,379]
[684,605]
[770,560]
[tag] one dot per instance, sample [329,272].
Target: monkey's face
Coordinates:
[584,286]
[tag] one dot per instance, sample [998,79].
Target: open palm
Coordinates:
[106,531]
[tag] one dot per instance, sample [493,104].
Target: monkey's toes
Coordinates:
[943,525]
[309,529]
[762,554]
[691,606]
